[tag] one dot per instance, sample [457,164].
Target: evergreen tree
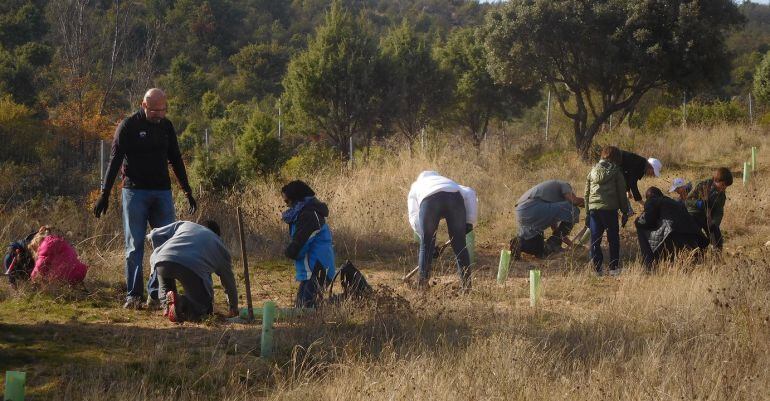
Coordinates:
[332,87]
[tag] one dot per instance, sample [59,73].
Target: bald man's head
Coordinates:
[154,105]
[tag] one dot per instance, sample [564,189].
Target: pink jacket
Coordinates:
[57,260]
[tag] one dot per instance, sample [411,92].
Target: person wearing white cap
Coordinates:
[635,168]
[681,188]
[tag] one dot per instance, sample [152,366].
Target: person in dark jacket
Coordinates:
[311,245]
[706,203]
[665,227]
[145,144]
[635,168]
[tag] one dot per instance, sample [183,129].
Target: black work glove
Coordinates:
[191,201]
[101,205]
[468,228]
[624,220]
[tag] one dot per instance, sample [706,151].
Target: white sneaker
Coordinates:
[133,302]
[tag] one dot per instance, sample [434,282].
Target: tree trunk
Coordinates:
[584,135]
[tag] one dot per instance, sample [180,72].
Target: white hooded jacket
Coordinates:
[429,183]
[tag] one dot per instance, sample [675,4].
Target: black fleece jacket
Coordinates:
[634,167]
[310,220]
[664,208]
[142,151]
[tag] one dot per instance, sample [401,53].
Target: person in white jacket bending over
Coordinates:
[432,198]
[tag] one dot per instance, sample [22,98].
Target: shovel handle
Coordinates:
[410,274]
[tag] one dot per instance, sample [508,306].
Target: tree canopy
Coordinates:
[604,55]
[477,98]
[373,69]
[332,86]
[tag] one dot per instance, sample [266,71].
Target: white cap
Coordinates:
[677,183]
[656,165]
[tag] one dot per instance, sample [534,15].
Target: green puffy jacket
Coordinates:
[606,188]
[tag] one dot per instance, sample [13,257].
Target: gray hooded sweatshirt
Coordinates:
[198,249]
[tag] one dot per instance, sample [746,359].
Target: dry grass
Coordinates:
[683,333]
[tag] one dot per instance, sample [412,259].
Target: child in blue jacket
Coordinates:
[311,242]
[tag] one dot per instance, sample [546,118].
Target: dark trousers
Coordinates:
[540,247]
[709,231]
[310,292]
[451,207]
[674,242]
[196,301]
[600,221]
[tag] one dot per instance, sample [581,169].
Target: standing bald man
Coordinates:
[145,144]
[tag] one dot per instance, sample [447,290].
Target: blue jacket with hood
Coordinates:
[311,239]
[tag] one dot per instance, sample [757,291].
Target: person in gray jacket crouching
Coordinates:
[190,253]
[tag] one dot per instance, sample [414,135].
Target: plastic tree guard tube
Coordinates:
[268,316]
[14,385]
[470,243]
[746,173]
[534,287]
[505,262]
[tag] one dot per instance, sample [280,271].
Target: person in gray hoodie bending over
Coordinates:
[432,198]
[190,253]
[553,204]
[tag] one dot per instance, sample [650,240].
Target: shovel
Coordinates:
[439,250]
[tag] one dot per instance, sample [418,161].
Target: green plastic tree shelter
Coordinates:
[470,243]
[753,158]
[746,173]
[534,287]
[14,385]
[505,263]
[268,316]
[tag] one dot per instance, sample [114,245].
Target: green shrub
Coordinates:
[715,113]
[310,160]
[661,118]
[764,120]
[259,151]
[218,173]
[698,114]
[191,138]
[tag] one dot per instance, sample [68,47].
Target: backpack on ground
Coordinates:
[18,262]
[354,284]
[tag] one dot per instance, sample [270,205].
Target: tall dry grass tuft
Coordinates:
[677,335]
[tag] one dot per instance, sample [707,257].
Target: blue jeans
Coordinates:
[600,221]
[451,207]
[141,206]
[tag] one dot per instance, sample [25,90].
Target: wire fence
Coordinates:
[70,166]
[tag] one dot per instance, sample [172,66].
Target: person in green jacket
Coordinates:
[706,204]
[605,194]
